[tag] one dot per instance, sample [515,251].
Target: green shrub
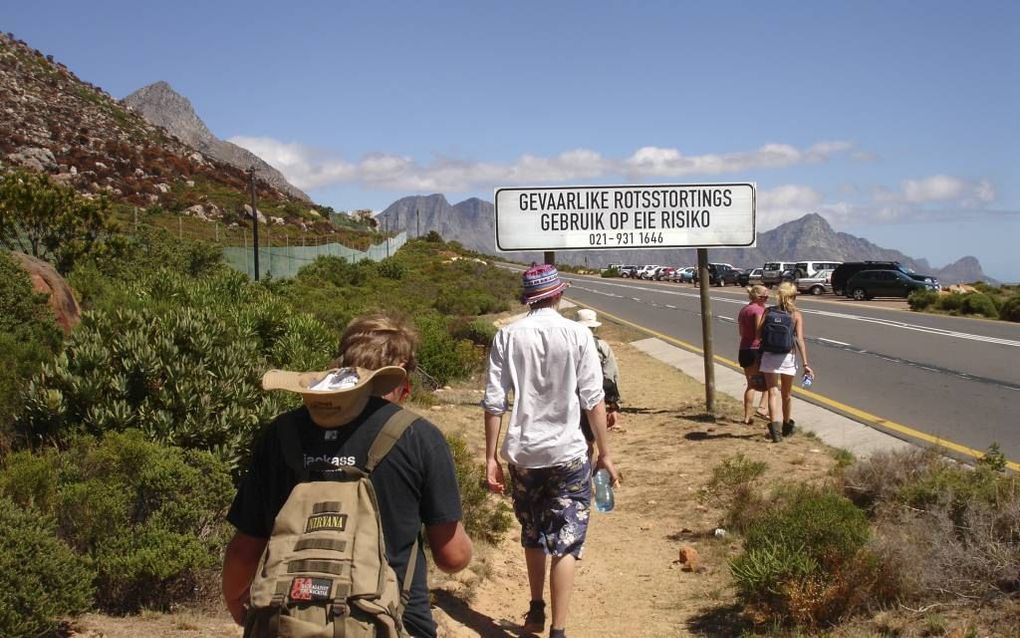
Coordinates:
[440,356]
[1010,310]
[951,302]
[611,272]
[733,487]
[942,529]
[477,331]
[485,518]
[181,361]
[41,579]
[29,336]
[922,299]
[977,303]
[803,558]
[149,517]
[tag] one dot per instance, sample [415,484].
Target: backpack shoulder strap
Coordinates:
[388,436]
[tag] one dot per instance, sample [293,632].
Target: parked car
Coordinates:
[848,269]
[664,273]
[628,271]
[720,275]
[811,268]
[883,283]
[686,274]
[816,285]
[776,272]
[749,277]
[648,271]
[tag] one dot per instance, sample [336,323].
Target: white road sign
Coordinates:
[638,216]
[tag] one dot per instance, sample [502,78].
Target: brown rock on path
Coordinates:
[47,280]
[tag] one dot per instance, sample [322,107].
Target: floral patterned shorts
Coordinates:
[552,505]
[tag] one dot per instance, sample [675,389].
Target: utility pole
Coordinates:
[417,223]
[254,221]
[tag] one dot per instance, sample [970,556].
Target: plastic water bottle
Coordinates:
[807,380]
[604,501]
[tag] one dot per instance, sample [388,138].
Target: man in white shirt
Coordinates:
[551,365]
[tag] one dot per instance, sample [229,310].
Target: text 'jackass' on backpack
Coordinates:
[777,331]
[324,573]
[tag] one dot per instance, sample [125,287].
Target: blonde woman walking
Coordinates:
[781,332]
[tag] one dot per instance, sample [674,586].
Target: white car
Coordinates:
[647,272]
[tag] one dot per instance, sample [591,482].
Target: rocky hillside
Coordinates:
[159,104]
[471,222]
[56,123]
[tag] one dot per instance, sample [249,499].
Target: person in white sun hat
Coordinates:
[610,374]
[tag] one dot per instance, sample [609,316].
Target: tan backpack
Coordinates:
[324,573]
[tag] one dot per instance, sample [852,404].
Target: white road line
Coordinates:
[892,323]
[838,343]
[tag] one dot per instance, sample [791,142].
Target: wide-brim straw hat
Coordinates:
[330,394]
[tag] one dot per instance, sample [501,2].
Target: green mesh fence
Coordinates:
[283,262]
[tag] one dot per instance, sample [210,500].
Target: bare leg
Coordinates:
[748,399]
[535,559]
[561,586]
[787,381]
[772,380]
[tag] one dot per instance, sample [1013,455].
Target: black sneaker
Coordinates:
[789,427]
[534,620]
[774,432]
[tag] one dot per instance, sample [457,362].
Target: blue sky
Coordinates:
[897,121]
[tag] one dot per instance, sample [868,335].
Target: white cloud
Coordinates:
[307,168]
[938,189]
[784,203]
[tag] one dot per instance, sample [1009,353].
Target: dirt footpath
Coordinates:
[629,583]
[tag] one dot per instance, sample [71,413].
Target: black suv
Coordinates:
[846,270]
[883,283]
[720,275]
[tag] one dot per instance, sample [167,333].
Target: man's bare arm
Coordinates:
[239,565]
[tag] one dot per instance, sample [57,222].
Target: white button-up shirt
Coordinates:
[552,365]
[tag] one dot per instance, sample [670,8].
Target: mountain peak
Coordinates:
[161,105]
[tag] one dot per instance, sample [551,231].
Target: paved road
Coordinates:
[948,377]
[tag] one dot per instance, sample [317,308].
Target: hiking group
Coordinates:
[330,513]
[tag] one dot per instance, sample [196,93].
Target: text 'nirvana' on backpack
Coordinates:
[777,332]
[324,573]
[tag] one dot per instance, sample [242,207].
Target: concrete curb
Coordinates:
[833,429]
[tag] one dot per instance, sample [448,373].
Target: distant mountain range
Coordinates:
[160,105]
[472,223]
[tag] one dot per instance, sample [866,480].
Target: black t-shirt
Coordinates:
[416,484]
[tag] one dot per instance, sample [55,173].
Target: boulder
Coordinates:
[47,280]
[163,187]
[197,211]
[247,213]
[37,159]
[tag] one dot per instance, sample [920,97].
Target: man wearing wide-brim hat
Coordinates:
[343,412]
[551,366]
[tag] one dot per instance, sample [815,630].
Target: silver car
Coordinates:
[816,285]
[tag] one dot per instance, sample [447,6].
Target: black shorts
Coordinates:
[747,356]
